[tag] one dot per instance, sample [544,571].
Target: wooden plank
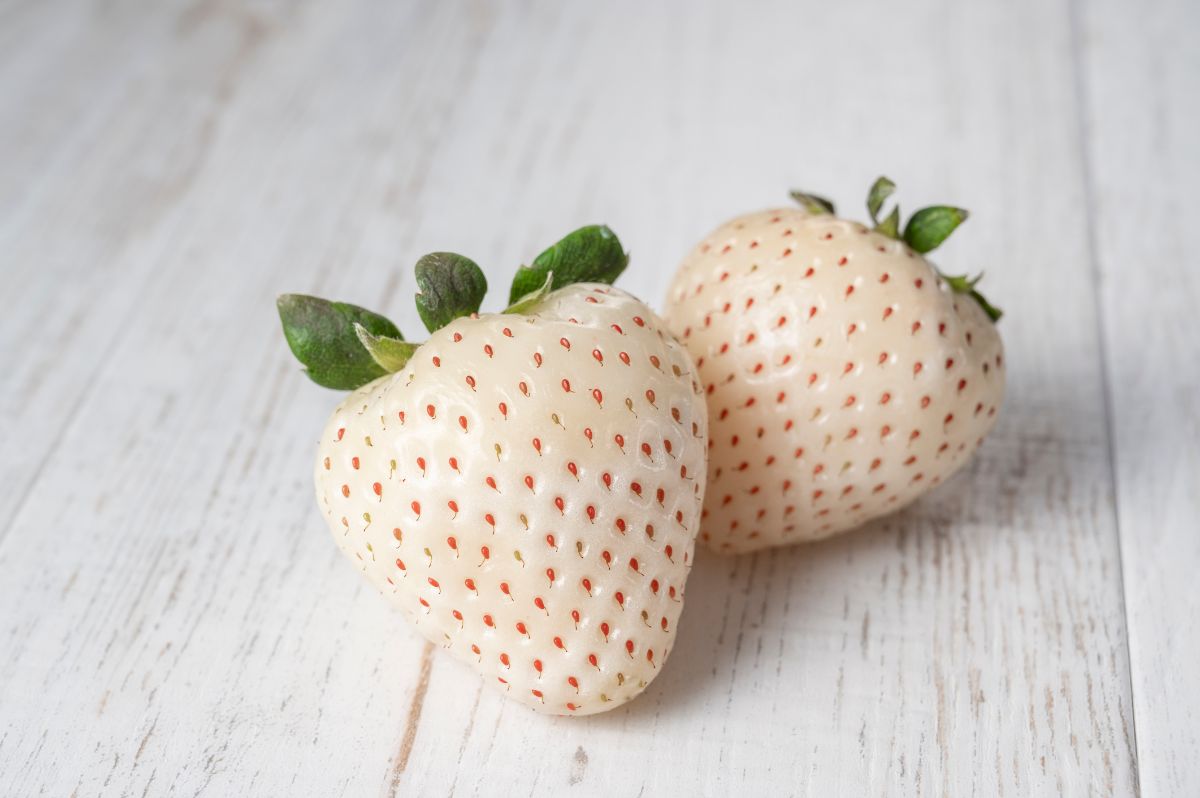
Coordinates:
[101,134]
[875,664]
[147,643]
[974,645]
[174,618]
[1139,90]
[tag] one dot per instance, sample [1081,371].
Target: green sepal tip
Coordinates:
[322,336]
[994,313]
[390,354]
[881,189]
[962,284]
[890,226]
[526,302]
[591,254]
[930,227]
[448,286]
[814,204]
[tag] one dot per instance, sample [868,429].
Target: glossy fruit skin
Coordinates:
[844,378]
[527,490]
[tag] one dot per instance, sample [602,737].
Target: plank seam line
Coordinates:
[1079,84]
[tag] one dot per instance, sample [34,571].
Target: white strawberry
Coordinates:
[845,375]
[527,485]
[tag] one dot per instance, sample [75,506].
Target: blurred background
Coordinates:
[173,618]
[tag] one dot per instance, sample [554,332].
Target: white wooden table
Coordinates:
[173,616]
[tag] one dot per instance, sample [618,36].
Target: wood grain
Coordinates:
[1140,125]
[174,619]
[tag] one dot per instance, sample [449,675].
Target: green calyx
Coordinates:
[533,297]
[448,286]
[390,354]
[881,189]
[344,346]
[591,254]
[926,230]
[929,227]
[321,334]
[816,205]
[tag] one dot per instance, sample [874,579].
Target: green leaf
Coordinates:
[591,254]
[994,313]
[890,226]
[961,284]
[448,286]
[321,334]
[929,227]
[812,203]
[881,189]
[526,302]
[391,354]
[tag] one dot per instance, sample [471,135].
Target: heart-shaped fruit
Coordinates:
[845,375]
[526,486]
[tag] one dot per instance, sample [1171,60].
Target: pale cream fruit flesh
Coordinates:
[843,377]
[528,491]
